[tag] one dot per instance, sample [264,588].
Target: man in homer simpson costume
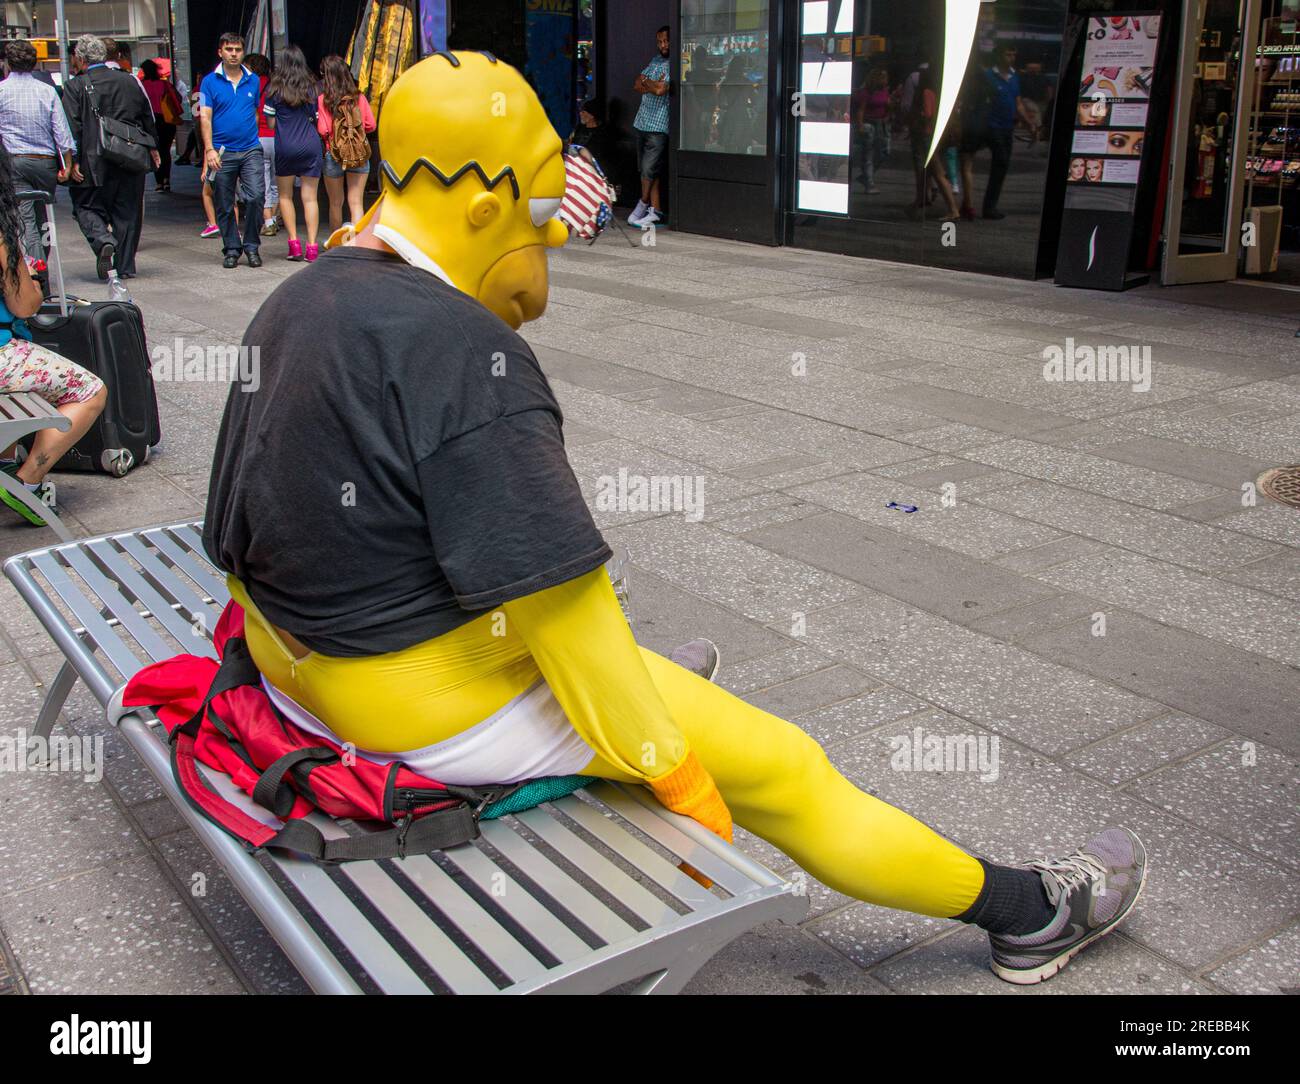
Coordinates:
[396,512]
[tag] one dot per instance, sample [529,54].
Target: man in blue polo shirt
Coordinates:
[228,98]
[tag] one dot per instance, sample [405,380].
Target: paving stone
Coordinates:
[867,935]
[262,963]
[777,959]
[1013,626]
[1278,575]
[1157,534]
[1246,792]
[1021,696]
[1093,473]
[846,719]
[1226,470]
[780,666]
[665,616]
[732,573]
[1246,694]
[1148,746]
[1246,619]
[801,695]
[116,929]
[959,964]
[1203,897]
[1269,968]
[939,580]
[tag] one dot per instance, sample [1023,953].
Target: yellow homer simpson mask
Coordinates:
[472,178]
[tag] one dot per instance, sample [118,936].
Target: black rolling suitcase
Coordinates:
[106,337]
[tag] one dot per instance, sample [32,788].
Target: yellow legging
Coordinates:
[642,714]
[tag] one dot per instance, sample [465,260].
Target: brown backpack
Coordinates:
[348,143]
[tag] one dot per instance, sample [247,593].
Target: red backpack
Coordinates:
[220,715]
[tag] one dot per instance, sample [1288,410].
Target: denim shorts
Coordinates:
[333,169]
[650,150]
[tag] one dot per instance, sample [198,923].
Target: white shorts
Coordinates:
[528,738]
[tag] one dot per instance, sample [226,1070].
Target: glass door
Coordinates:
[1207,162]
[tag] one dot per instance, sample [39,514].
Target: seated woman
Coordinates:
[423,578]
[78,394]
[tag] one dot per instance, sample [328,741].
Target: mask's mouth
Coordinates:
[515,287]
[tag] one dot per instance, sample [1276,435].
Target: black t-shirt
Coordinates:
[398,469]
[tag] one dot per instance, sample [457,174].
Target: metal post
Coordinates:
[61,32]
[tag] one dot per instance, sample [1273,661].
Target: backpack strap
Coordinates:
[444,828]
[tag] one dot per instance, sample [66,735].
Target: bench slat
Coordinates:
[381,961]
[173,622]
[516,901]
[492,939]
[667,876]
[585,907]
[437,950]
[680,844]
[119,605]
[200,570]
[169,583]
[87,614]
[647,906]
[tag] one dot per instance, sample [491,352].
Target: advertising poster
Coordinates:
[1106,149]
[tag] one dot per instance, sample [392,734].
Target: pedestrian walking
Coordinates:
[651,125]
[343,118]
[107,197]
[291,110]
[228,106]
[36,134]
[166,105]
[260,66]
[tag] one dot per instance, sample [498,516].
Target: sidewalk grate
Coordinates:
[1282,484]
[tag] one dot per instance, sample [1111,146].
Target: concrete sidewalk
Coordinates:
[1081,582]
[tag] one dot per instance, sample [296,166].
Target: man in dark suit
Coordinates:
[105,196]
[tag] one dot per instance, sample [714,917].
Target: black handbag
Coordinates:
[123,144]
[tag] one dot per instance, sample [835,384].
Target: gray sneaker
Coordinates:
[699,657]
[1093,890]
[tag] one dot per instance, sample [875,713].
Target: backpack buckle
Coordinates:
[403,826]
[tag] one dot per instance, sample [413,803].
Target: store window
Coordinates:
[876,81]
[1273,156]
[724,55]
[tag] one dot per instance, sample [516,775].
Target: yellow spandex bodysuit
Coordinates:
[648,720]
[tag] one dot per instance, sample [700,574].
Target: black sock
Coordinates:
[1012,901]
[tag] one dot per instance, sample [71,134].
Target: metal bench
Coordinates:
[580,895]
[22,413]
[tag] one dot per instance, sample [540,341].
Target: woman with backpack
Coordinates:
[291,110]
[167,111]
[343,119]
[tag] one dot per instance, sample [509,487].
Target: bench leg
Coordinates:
[62,684]
[25,495]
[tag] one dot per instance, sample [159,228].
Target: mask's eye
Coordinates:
[539,210]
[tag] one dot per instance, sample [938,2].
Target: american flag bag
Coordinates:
[588,198]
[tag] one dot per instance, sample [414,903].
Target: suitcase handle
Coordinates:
[35,195]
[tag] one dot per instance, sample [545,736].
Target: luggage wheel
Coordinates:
[117,461]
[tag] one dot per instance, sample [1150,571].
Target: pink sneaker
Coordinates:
[210,231]
[295,249]
[312,252]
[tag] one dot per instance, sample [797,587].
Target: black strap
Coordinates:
[237,668]
[271,792]
[433,832]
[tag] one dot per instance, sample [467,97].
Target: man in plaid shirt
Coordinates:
[651,126]
[35,133]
